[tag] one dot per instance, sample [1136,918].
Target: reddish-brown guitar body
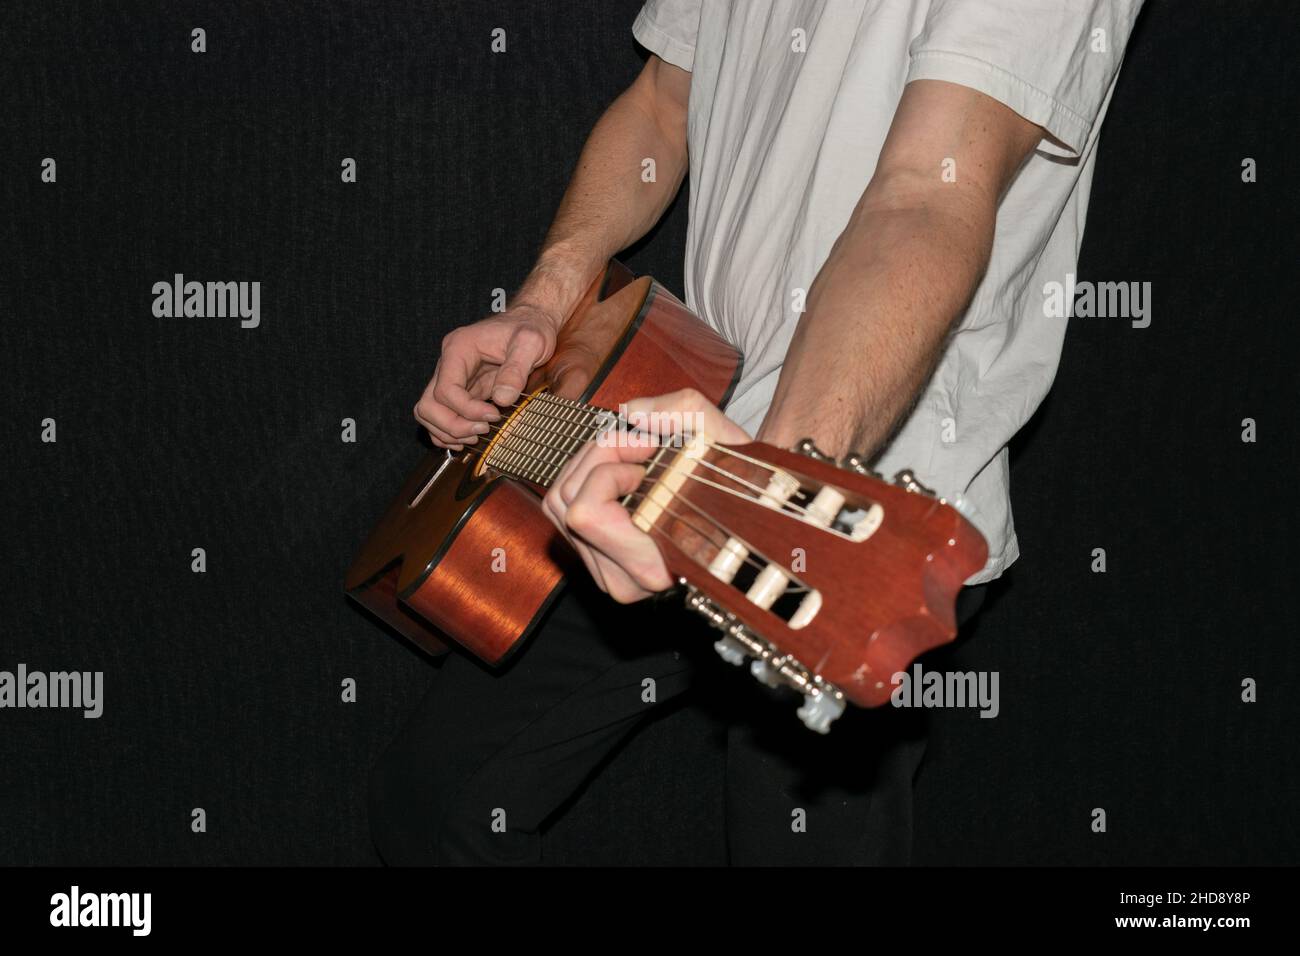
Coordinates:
[431,570]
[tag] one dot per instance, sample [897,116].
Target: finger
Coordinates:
[596,516]
[603,572]
[609,577]
[574,473]
[438,418]
[695,415]
[523,353]
[615,581]
[456,367]
[431,416]
[481,386]
[438,435]
[554,508]
[632,443]
[444,441]
[609,448]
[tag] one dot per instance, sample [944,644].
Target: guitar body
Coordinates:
[433,567]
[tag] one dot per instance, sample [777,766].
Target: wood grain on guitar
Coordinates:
[823,577]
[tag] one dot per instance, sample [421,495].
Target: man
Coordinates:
[879,191]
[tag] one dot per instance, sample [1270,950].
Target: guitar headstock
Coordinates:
[825,577]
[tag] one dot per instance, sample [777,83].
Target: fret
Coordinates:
[536,436]
[560,415]
[544,435]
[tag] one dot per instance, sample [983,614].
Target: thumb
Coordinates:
[525,351]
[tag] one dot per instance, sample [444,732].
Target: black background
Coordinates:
[1119,690]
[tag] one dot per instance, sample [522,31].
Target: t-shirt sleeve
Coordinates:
[667,28]
[1052,61]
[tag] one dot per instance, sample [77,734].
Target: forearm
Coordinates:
[878,316]
[611,201]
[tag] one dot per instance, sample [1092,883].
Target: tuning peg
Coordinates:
[856,461]
[730,651]
[764,674]
[908,481]
[820,710]
[807,446]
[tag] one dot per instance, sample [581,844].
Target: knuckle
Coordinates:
[691,398]
[629,591]
[578,518]
[605,476]
[528,334]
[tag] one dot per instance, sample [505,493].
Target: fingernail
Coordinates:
[480,428]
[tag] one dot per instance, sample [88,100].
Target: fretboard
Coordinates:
[537,440]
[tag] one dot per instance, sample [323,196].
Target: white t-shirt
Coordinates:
[790,103]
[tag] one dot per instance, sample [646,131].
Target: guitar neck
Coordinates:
[542,434]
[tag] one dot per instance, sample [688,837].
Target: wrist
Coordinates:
[555,286]
[786,430]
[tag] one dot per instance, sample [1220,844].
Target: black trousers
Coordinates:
[489,757]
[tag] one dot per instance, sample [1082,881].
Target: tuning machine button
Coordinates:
[730,651]
[806,446]
[820,710]
[765,674]
[856,461]
[907,480]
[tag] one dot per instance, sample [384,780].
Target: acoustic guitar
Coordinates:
[819,574]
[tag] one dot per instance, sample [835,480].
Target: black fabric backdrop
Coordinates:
[1119,690]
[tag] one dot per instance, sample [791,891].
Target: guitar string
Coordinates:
[723,530]
[787,506]
[536,467]
[591,412]
[548,439]
[589,423]
[802,587]
[544,413]
[748,559]
[551,421]
[565,433]
[708,535]
[571,431]
[497,428]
